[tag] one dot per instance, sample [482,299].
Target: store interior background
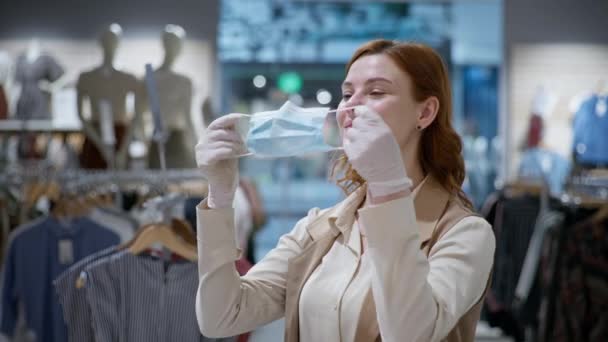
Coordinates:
[500,53]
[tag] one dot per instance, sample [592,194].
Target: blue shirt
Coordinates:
[545,165]
[591,131]
[37,254]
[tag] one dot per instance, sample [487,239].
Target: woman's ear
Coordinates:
[427,112]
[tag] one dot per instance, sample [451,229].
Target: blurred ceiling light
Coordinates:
[323,96]
[259,81]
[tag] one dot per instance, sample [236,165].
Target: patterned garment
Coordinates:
[580,310]
[143,298]
[73,300]
[3,104]
[514,225]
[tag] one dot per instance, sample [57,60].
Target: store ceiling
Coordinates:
[84,19]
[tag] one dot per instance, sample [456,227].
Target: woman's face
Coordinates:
[378,83]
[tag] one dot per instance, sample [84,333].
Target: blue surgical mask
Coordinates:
[292,131]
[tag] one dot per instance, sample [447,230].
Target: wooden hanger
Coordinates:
[168,236]
[35,190]
[60,208]
[600,215]
[520,188]
[165,235]
[183,229]
[179,227]
[96,200]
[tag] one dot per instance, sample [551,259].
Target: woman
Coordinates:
[402,258]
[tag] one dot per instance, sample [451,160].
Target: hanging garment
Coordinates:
[580,308]
[37,254]
[33,102]
[60,155]
[91,157]
[514,226]
[26,146]
[73,300]
[3,104]
[118,291]
[590,126]
[528,292]
[513,220]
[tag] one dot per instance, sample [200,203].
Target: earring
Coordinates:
[419,127]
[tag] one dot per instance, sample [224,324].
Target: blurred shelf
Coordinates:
[16,126]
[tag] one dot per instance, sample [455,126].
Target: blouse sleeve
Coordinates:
[227,304]
[419,298]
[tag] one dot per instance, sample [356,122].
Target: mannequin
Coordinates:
[5,68]
[175,98]
[31,68]
[106,89]
[539,162]
[208,114]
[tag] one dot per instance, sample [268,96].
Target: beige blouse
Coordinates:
[434,293]
[335,292]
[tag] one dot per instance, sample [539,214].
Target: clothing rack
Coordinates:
[590,186]
[35,183]
[78,178]
[584,192]
[581,190]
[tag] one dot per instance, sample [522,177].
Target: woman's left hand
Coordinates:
[374,153]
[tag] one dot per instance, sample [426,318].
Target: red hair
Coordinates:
[440,152]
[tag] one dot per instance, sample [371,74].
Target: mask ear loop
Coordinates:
[336,111]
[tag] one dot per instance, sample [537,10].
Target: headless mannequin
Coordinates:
[5,68]
[106,88]
[175,98]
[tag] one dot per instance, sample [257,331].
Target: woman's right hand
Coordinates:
[216,156]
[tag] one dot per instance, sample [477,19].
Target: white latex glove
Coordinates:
[216,156]
[375,154]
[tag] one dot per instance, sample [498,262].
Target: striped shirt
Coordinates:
[73,300]
[143,298]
